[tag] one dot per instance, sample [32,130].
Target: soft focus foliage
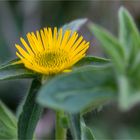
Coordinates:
[8,123]
[125,57]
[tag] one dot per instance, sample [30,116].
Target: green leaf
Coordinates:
[87,134]
[75,125]
[127,26]
[74,25]
[8,123]
[75,91]
[30,114]
[129,87]
[92,60]
[129,38]
[111,45]
[15,71]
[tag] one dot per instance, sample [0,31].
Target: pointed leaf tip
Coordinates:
[15,70]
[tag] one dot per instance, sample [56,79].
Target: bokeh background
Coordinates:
[19,17]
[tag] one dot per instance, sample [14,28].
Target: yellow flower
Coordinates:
[50,52]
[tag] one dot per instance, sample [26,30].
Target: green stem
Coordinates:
[60,132]
[75,126]
[30,114]
[123,93]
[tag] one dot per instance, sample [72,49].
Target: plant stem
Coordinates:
[60,132]
[30,114]
[124,88]
[75,126]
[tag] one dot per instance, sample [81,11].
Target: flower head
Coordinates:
[50,52]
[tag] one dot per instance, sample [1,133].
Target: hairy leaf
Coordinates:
[129,87]
[74,25]
[11,70]
[111,45]
[77,90]
[92,60]
[129,38]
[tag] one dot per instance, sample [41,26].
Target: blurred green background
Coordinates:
[19,17]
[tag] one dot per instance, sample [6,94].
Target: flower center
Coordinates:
[52,59]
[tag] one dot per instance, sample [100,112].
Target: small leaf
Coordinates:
[111,46]
[129,87]
[15,71]
[127,26]
[30,114]
[129,38]
[92,60]
[79,89]
[8,123]
[74,25]
[87,134]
